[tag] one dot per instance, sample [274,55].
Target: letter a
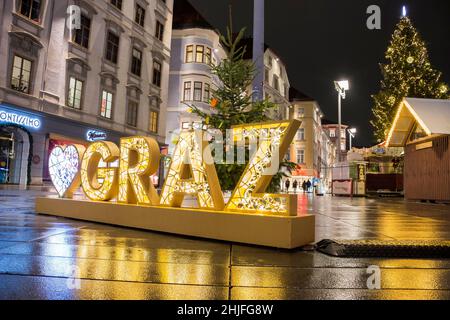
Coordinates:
[374,21]
[192,172]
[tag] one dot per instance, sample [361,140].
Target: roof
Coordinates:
[432,115]
[185,16]
[296,95]
[248,44]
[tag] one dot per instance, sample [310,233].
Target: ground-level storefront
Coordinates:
[27,138]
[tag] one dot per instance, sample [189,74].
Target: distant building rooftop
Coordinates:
[185,16]
[296,95]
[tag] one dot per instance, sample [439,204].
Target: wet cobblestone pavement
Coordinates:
[44,257]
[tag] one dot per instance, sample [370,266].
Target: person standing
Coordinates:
[308,185]
[295,186]
[287,184]
[304,186]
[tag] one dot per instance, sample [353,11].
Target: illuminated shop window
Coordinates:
[153,122]
[75,93]
[107,102]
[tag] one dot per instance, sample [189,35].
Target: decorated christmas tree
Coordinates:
[232,104]
[408,73]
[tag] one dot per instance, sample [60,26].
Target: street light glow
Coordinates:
[352,130]
[343,85]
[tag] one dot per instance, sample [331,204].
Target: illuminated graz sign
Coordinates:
[191,171]
[19,119]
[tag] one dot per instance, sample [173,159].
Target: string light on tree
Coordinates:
[407,73]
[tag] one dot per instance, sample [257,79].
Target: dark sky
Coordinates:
[325,40]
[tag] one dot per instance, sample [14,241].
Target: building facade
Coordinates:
[276,81]
[332,130]
[312,149]
[77,71]
[195,48]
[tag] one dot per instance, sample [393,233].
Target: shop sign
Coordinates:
[342,187]
[19,119]
[139,159]
[95,135]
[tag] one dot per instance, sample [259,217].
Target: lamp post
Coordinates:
[351,133]
[341,88]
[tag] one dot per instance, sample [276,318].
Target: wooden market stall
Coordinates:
[422,127]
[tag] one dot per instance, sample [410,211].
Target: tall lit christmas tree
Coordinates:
[408,73]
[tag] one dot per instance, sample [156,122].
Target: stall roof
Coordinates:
[432,115]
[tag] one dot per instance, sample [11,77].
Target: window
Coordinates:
[287,157]
[30,9]
[132,113]
[75,93]
[300,156]
[112,47]
[198,91]
[159,31]
[186,125]
[199,54]
[301,134]
[153,123]
[276,84]
[117,4]
[187,91]
[300,112]
[136,62]
[207,93]
[332,133]
[266,75]
[189,54]
[139,16]
[106,107]
[21,74]
[157,73]
[269,61]
[81,36]
[208,55]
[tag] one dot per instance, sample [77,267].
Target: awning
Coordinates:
[431,115]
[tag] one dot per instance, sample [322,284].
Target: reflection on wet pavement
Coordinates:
[44,257]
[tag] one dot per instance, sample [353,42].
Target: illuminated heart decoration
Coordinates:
[64,169]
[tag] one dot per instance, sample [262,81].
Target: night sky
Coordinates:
[325,40]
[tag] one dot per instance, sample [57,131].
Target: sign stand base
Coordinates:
[256,229]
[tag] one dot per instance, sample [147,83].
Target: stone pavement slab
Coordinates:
[43,257]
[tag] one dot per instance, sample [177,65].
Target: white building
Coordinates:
[195,47]
[109,77]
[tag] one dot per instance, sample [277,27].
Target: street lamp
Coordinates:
[341,88]
[351,133]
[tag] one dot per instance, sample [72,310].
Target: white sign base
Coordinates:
[264,230]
